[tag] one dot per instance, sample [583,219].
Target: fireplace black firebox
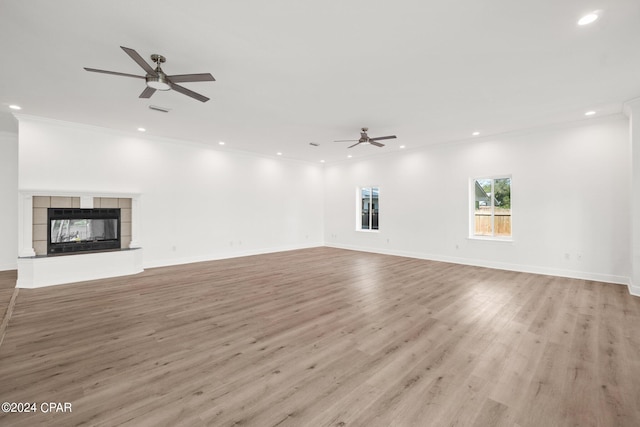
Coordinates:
[81,230]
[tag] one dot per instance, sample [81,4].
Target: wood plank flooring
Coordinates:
[7,285]
[325,337]
[8,296]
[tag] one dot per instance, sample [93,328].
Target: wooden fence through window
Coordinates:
[502,223]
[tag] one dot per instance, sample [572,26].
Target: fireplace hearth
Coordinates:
[73,230]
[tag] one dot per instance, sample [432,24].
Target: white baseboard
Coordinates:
[228,255]
[597,277]
[27,279]
[7,267]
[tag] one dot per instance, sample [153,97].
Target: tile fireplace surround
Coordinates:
[36,269]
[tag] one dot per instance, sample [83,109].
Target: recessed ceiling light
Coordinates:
[279,153]
[588,18]
[476,133]
[15,107]
[589,113]
[402,146]
[221,142]
[349,156]
[142,130]
[321,161]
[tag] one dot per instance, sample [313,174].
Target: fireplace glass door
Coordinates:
[83,230]
[78,230]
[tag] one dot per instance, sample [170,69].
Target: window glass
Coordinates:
[365,208]
[483,223]
[502,209]
[375,208]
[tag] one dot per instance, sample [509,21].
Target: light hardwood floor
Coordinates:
[7,284]
[326,337]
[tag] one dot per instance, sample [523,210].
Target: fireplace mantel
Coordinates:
[36,269]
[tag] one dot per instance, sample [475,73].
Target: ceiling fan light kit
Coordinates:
[158,83]
[156,79]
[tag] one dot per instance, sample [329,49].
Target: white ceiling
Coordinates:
[293,72]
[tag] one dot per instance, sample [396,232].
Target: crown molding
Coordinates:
[630,105]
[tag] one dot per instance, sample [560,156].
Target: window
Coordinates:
[368,208]
[491,207]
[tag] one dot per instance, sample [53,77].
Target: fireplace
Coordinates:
[79,251]
[75,230]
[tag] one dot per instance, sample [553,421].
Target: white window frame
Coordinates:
[359,209]
[472,209]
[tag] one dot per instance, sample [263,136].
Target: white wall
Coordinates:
[570,188]
[198,203]
[570,196]
[633,110]
[8,195]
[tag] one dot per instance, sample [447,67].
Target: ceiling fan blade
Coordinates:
[147,92]
[185,91]
[354,144]
[382,137]
[346,140]
[94,70]
[377,144]
[140,61]
[183,78]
